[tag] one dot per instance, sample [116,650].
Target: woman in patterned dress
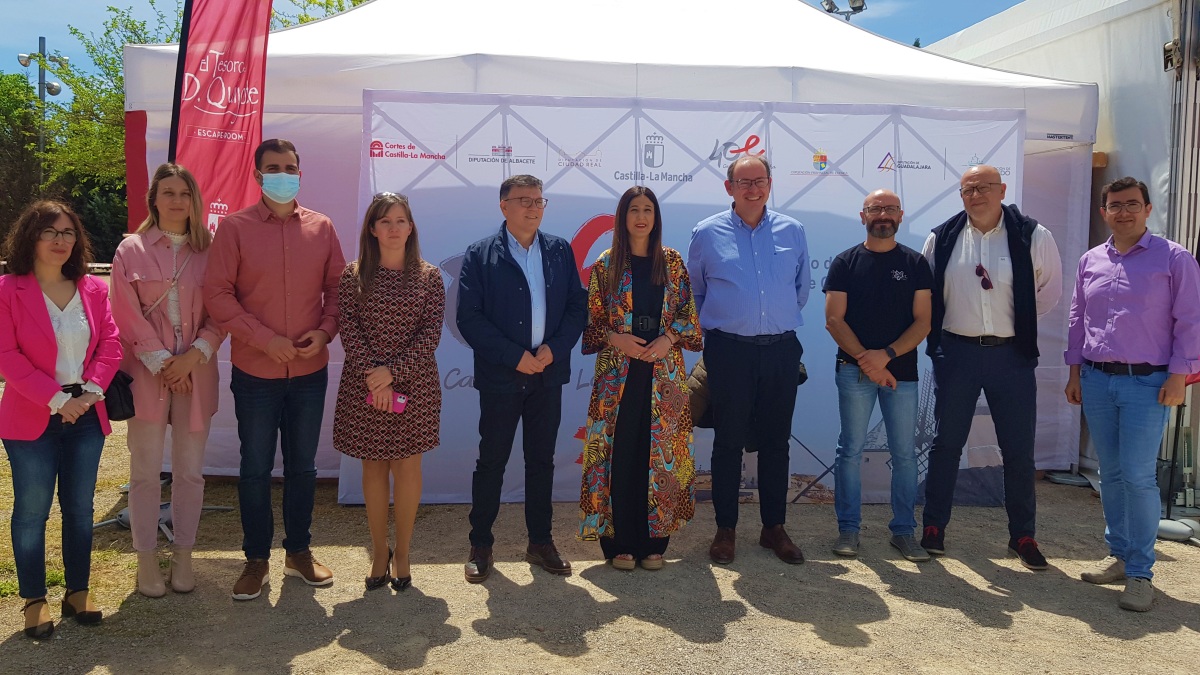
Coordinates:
[391,304]
[638,466]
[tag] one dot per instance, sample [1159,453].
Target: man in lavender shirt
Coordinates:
[1134,337]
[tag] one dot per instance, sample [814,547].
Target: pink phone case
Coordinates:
[399,401]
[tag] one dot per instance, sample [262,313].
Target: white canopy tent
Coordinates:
[782,50]
[1115,43]
[786,51]
[1148,122]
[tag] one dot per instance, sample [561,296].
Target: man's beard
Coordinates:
[882,229]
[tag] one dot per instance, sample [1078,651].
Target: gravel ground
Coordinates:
[976,610]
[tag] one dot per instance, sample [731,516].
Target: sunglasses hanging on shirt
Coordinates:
[984,280]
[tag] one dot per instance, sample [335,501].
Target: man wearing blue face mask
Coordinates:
[272,279]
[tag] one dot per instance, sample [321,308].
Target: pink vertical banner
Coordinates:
[217,120]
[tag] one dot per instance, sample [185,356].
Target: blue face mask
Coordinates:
[280,187]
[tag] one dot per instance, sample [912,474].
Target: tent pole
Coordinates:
[180,66]
[1174,457]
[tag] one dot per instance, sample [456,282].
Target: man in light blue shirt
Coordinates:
[530,261]
[750,276]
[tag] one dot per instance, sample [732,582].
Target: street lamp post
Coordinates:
[856,6]
[44,87]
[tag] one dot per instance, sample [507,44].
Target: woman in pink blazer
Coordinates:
[58,353]
[169,341]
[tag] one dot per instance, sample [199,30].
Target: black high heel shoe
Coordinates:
[82,616]
[42,630]
[381,580]
[400,584]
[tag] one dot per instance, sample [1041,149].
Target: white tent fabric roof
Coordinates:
[1032,24]
[1115,43]
[693,50]
[783,50]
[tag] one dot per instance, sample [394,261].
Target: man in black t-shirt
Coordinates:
[877,308]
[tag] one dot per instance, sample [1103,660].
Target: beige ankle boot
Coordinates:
[183,580]
[149,579]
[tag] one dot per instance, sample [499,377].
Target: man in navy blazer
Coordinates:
[521,308]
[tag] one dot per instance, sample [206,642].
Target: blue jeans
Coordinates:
[269,411]
[856,401]
[1127,423]
[70,455]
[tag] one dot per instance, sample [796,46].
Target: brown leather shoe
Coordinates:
[546,557]
[302,564]
[254,575]
[777,539]
[479,565]
[723,546]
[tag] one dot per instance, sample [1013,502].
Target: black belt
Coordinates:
[644,323]
[759,340]
[75,390]
[1114,368]
[981,340]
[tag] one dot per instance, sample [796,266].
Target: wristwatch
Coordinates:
[890,352]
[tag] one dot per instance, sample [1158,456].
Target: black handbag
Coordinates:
[118,398]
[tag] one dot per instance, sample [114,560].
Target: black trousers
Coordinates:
[960,371]
[753,395]
[539,409]
[629,480]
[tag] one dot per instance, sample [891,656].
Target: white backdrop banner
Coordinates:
[449,153]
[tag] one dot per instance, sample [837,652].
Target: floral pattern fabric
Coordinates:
[670,493]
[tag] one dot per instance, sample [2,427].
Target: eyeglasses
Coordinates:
[50,234]
[747,183]
[527,202]
[1127,207]
[977,189]
[876,210]
[984,280]
[388,195]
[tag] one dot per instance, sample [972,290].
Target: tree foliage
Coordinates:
[303,11]
[90,130]
[18,146]
[85,137]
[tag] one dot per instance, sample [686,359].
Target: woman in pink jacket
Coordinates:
[58,352]
[169,341]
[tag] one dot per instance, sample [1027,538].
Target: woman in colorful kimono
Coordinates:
[638,466]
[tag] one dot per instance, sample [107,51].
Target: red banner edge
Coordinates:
[137,173]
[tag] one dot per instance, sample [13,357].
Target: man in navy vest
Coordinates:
[995,271]
[521,308]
